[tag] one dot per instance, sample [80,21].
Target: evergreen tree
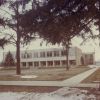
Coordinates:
[9,60]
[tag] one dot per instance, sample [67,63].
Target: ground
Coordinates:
[93,78]
[43,92]
[43,74]
[47,93]
[39,89]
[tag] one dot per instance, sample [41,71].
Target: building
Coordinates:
[88,58]
[50,57]
[53,57]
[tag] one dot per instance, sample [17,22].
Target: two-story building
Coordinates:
[53,57]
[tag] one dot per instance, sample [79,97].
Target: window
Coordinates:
[56,53]
[57,62]
[29,55]
[36,55]
[50,63]
[22,56]
[64,62]
[72,62]
[42,54]
[30,63]
[36,64]
[23,63]
[63,53]
[43,63]
[26,55]
[91,59]
[49,54]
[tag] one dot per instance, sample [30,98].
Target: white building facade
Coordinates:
[53,57]
[50,57]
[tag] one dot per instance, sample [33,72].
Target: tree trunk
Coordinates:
[18,71]
[67,57]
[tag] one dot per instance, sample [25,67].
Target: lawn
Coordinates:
[93,77]
[43,74]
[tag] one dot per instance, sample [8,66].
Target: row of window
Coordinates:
[44,63]
[44,54]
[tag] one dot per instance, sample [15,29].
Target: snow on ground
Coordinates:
[28,76]
[93,66]
[61,94]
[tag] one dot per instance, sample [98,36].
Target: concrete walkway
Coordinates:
[92,85]
[71,82]
[75,80]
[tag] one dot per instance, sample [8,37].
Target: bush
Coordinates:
[9,60]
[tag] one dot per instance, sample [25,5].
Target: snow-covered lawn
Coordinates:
[28,76]
[61,94]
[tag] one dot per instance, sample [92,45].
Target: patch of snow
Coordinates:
[28,76]
[92,66]
[1,67]
[60,94]
[10,96]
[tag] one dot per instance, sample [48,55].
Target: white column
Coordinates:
[59,53]
[21,65]
[27,65]
[52,53]
[33,64]
[53,64]
[46,63]
[61,64]
[40,64]
[45,54]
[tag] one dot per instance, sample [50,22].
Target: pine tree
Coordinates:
[9,60]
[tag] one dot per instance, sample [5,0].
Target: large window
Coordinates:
[91,59]
[42,54]
[23,56]
[43,63]
[49,54]
[36,64]
[36,55]
[72,62]
[57,63]
[29,55]
[50,63]
[63,53]
[26,55]
[64,62]
[56,53]
[24,64]
[30,63]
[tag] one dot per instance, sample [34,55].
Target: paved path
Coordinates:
[92,85]
[71,82]
[75,80]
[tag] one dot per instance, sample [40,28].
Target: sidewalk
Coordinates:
[75,80]
[71,82]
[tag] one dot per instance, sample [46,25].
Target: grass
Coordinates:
[93,77]
[11,68]
[46,74]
